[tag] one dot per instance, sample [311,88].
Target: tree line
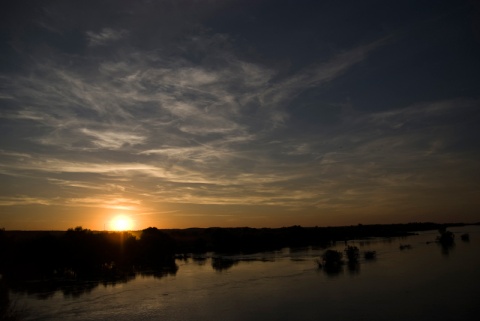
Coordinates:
[80,253]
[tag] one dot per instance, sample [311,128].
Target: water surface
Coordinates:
[425,282]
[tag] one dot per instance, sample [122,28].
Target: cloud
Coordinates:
[318,74]
[24,200]
[418,113]
[108,201]
[180,130]
[105,36]
[112,139]
[77,184]
[88,109]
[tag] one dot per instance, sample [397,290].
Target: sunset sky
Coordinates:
[255,113]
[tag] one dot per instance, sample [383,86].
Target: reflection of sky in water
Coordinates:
[421,283]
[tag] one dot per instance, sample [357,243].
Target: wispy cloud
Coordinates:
[112,202]
[146,127]
[318,74]
[108,187]
[24,200]
[105,36]
[113,140]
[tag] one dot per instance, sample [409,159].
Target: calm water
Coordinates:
[421,283]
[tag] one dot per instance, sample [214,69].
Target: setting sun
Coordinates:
[121,223]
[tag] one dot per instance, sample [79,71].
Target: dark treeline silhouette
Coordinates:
[82,253]
[78,260]
[63,260]
[250,240]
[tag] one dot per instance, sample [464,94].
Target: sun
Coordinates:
[121,223]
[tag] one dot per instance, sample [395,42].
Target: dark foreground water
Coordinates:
[425,282]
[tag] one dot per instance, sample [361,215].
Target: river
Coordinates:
[422,282]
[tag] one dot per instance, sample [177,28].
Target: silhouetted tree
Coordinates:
[156,247]
[446,238]
[331,262]
[352,253]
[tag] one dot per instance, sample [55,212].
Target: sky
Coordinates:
[264,113]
